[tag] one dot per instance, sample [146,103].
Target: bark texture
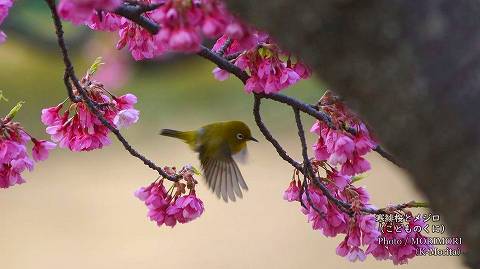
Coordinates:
[412,70]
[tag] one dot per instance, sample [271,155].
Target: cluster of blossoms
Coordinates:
[77,128]
[338,146]
[5,6]
[174,205]
[182,23]
[85,12]
[363,234]
[339,153]
[271,69]
[14,159]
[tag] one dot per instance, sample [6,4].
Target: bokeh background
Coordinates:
[77,210]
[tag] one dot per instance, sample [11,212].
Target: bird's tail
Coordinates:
[187,137]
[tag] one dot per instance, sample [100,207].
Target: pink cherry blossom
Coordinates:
[14,159]
[78,129]
[171,207]
[140,43]
[271,70]
[81,11]
[343,248]
[41,148]
[186,208]
[355,254]
[5,6]
[338,146]
[293,192]
[220,74]
[104,21]
[126,117]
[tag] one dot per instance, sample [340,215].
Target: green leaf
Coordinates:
[14,110]
[357,178]
[95,66]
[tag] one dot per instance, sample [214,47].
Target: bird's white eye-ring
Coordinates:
[240,136]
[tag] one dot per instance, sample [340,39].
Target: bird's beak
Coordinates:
[252,139]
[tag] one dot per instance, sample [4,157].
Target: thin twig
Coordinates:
[258,119]
[225,46]
[309,170]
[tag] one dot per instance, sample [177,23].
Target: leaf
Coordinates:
[14,110]
[95,66]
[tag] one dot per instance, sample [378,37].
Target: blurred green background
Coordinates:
[78,209]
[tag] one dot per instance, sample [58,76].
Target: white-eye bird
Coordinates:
[216,143]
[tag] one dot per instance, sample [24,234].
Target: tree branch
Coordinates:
[135,11]
[70,74]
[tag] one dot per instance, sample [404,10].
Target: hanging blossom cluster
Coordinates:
[183,24]
[14,159]
[77,128]
[5,6]
[338,153]
[178,204]
[271,69]
[362,233]
[340,147]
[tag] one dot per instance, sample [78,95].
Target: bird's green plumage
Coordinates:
[216,143]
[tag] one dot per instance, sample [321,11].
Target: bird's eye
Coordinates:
[240,136]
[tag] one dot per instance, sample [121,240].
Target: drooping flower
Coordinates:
[270,69]
[293,192]
[41,148]
[340,147]
[171,207]
[186,208]
[126,117]
[78,129]
[104,21]
[140,43]
[14,159]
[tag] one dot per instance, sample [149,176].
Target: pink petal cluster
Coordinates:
[14,159]
[410,242]
[5,6]
[78,129]
[41,148]
[140,43]
[292,193]
[183,24]
[362,231]
[339,147]
[271,70]
[172,207]
[85,12]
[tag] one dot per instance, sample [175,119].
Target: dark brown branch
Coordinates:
[70,75]
[266,133]
[294,103]
[134,12]
[225,47]
[308,169]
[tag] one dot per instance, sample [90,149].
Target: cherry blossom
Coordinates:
[78,129]
[173,206]
[5,6]
[84,11]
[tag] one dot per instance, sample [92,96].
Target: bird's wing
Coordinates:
[224,178]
